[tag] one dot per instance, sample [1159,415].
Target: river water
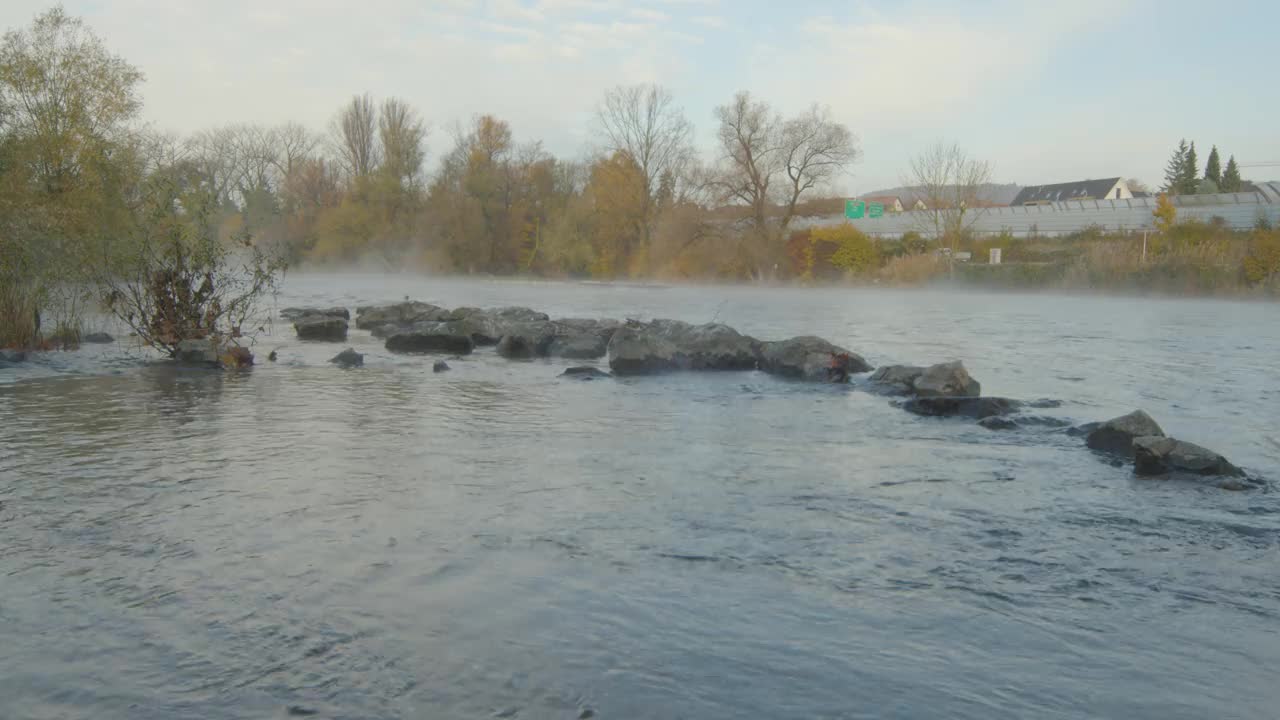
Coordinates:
[301,540]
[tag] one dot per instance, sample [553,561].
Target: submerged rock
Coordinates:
[402,314]
[805,357]
[897,379]
[99,338]
[974,407]
[1159,455]
[348,358]
[996,422]
[526,340]
[431,337]
[327,328]
[1116,435]
[585,372]
[12,356]
[440,366]
[197,352]
[949,379]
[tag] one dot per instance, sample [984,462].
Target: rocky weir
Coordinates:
[639,348]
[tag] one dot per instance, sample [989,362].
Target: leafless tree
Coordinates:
[294,144]
[354,137]
[644,122]
[952,187]
[402,133]
[768,164]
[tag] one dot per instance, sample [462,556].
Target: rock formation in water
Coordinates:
[806,358]
[972,407]
[585,372]
[100,338]
[1159,455]
[348,358]
[440,366]
[1116,436]
[948,379]
[323,328]
[431,337]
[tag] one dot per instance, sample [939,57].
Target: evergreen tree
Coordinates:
[1189,178]
[1213,168]
[1231,182]
[1173,171]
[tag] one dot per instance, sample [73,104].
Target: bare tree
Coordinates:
[402,133]
[952,187]
[644,122]
[768,164]
[294,144]
[354,136]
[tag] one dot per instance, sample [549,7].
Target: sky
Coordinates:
[1044,91]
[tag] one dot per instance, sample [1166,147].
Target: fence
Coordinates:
[1238,210]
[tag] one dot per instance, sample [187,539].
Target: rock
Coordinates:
[948,379]
[974,407]
[805,357]
[293,313]
[1116,435]
[429,337]
[402,314]
[995,422]
[585,372]
[348,358]
[271,356]
[582,339]
[12,356]
[526,340]
[236,357]
[1158,455]
[633,350]
[100,338]
[197,352]
[487,327]
[710,346]
[440,366]
[321,327]
[898,379]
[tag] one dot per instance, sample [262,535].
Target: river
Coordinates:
[495,541]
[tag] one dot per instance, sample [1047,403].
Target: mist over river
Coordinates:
[497,541]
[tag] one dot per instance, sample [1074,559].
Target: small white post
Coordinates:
[1144,246]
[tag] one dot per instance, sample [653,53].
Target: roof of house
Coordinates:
[884,199]
[1058,192]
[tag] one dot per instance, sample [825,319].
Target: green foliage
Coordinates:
[1206,187]
[841,250]
[1213,168]
[1262,264]
[1174,170]
[1187,179]
[1231,182]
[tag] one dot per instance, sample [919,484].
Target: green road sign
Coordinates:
[854,209]
[875,209]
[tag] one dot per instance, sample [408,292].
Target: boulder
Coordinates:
[409,312]
[582,339]
[431,337]
[585,372]
[949,379]
[1159,455]
[805,357]
[197,352]
[100,338]
[440,366]
[294,313]
[526,340]
[896,379]
[487,327]
[710,346]
[634,350]
[1116,435]
[974,407]
[348,358]
[328,328]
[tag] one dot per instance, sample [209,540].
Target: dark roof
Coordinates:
[1058,192]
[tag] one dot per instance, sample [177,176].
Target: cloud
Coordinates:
[712,21]
[647,14]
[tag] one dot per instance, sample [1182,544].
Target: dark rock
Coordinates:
[487,327]
[1159,455]
[949,379]
[12,356]
[271,356]
[431,337]
[294,313]
[348,358]
[995,422]
[974,407]
[1083,430]
[329,328]
[402,314]
[526,340]
[1116,435]
[633,350]
[100,338]
[1044,404]
[440,366]
[805,357]
[197,352]
[1043,420]
[898,379]
[582,339]
[585,372]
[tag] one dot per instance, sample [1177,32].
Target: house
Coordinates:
[1105,189]
[892,203]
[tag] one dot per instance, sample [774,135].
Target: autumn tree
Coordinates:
[767,164]
[1165,214]
[952,187]
[644,122]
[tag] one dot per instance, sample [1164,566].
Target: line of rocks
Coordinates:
[1138,438]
